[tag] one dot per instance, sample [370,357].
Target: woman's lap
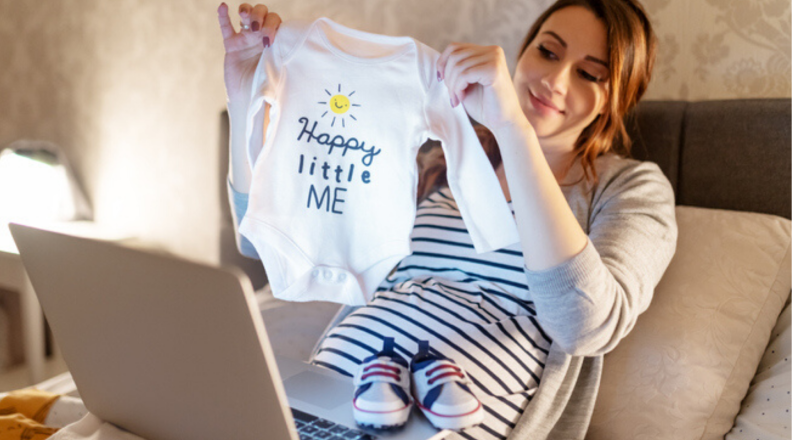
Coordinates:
[502,353]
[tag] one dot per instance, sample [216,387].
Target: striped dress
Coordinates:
[473,308]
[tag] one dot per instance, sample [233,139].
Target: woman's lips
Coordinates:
[541,104]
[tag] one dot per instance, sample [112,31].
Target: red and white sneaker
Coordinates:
[382,390]
[440,389]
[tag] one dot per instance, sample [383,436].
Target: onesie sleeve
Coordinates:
[470,175]
[588,303]
[267,78]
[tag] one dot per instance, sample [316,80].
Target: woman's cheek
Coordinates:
[587,106]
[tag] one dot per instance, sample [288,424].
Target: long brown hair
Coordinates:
[631,45]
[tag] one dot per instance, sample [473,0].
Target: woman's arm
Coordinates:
[588,290]
[243,50]
[478,76]
[240,169]
[591,301]
[549,232]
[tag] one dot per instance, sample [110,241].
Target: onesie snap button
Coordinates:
[328,274]
[315,273]
[341,277]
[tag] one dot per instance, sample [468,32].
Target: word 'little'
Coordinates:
[365,176]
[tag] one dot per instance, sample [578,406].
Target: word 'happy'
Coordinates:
[337,141]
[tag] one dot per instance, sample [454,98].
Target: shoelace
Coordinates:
[395,371]
[444,366]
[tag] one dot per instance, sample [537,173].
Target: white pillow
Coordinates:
[765,411]
[686,366]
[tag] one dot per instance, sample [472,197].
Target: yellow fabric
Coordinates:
[22,414]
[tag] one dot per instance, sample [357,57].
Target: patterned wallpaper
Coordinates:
[721,49]
[133,89]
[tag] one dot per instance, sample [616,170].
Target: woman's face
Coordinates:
[561,78]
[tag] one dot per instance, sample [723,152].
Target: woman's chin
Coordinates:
[542,127]
[554,136]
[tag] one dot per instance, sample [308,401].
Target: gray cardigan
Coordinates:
[590,302]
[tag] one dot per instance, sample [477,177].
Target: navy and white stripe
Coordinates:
[473,308]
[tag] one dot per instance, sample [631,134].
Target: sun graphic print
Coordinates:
[339,104]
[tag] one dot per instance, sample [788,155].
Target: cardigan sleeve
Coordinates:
[588,303]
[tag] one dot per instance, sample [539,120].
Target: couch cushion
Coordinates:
[686,366]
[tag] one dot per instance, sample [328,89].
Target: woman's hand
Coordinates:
[243,49]
[478,77]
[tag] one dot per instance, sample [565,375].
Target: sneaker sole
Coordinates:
[381,427]
[381,420]
[454,422]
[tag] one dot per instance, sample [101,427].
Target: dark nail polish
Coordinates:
[255,26]
[438,77]
[266,41]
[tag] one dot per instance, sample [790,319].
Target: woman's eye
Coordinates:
[587,76]
[546,53]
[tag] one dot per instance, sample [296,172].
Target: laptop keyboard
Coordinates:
[311,427]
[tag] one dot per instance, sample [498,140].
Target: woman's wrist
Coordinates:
[239,168]
[517,128]
[237,115]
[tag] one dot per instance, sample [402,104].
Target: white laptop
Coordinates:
[169,349]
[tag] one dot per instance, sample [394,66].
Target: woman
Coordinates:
[529,323]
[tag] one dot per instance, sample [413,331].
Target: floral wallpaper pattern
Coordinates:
[721,49]
[133,89]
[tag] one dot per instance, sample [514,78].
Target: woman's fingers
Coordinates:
[226,28]
[245,11]
[441,62]
[469,74]
[452,70]
[457,62]
[461,65]
[456,81]
[257,17]
[251,19]
[271,24]
[449,68]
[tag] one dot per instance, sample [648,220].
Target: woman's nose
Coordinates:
[557,80]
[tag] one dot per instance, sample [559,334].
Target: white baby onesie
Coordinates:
[332,197]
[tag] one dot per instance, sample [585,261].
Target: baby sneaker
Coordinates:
[382,390]
[440,389]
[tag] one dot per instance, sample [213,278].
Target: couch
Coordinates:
[710,357]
